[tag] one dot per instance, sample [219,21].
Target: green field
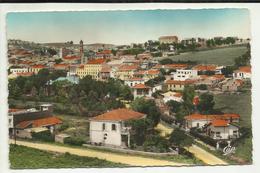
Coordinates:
[220,56]
[240,104]
[28,158]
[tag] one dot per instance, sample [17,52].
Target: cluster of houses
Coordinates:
[111,128]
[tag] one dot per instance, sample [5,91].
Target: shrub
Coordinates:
[63,127]
[156,143]
[203,138]
[74,141]
[167,119]
[43,136]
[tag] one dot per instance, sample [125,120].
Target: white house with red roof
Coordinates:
[222,130]
[217,126]
[111,129]
[141,90]
[184,74]
[243,72]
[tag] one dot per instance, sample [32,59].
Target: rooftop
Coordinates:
[122,114]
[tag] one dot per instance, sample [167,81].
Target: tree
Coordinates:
[180,139]
[139,130]
[188,96]
[149,108]
[166,61]
[174,105]
[206,103]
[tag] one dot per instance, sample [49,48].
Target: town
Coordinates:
[160,98]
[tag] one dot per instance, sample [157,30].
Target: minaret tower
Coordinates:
[81,52]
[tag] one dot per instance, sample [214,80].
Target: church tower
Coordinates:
[81,52]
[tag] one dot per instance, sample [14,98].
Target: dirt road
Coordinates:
[199,153]
[113,157]
[205,156]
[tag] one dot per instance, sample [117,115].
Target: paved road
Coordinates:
[198,152]
[113,157]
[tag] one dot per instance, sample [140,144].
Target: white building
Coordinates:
[182,74]
[221,129]
[141,90]
[110,128]
[175,96]
[134,81]
[242,73]
[199,120]
[19,70]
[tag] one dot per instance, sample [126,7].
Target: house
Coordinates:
[231,85]
[184,74]
[134,81]
[199,120]
[243,72]
[168,39]
[61,66]
[111,127]
[91,68]
[168,67]
[202,68]
[210,81]
[23,122]
[141,90]
[176,96]
[222,130]
[125,72]
[147,74]
[105,72]
[177,85]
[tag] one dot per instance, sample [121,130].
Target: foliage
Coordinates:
[43,136]
[180,139]
[156,143]
[188,96]
[201,87]
[154,81]
[149,108]
[22,157]
[139,130]
[133,51]
[174,105]
[206,103]
[206,139]
[74,141]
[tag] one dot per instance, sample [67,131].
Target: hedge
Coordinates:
[74,141]
[203,138]
[43,136]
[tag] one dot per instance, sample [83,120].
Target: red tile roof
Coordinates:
[39,122]
[15,110]
[60,65]
[104,52]
[245,69]
[119,115]
[38,66]
[127,67]
[71,57]
[211,117]
[205,67]
[97,61]
[153,72]
[176,66]
[141,86]
[219,123]
[135,79]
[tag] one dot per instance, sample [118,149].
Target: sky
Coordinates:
[125,27]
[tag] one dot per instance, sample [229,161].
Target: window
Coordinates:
[113,127]
[198,125]
[103,126]
[218,134]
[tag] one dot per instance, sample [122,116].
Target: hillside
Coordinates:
[221,56]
